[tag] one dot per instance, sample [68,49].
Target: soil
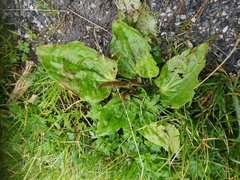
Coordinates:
[187,21]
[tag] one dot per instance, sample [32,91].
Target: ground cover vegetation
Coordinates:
[132,116]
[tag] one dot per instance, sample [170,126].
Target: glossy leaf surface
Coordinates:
[179,76]
[79,69]
[132,52]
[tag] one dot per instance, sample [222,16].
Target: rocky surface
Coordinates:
[187,21]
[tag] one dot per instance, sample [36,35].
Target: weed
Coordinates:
[50,133]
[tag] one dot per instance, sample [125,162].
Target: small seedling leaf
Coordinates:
[79,69]
[179,76]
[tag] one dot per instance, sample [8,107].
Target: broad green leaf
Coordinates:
[79,69]
[146,67]
[113,116]
[132,52]
[179,76]
[164,136]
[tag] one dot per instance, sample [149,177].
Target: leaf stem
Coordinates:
[133,135]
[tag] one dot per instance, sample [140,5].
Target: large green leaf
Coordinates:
[132,52]
[179,76]
[113,116]
[164,136]
[79,69]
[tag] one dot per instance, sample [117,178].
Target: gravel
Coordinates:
[189,21]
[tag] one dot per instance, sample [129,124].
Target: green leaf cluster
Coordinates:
[137,90]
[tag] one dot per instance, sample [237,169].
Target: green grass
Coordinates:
[46,134]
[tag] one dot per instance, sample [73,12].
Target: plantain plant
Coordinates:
[129,86]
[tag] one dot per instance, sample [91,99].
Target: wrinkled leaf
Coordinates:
[146,22]
[141,14]
[128,6]
[164,136]
[179,76]
[78,68]
[113,116]
[132,52]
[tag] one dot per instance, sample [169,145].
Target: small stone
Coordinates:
[153,5]
[163,33]
[189,44]
[93,6]
[224,13]
[193,20]
[88,28]
[25,4]
[225,29]
[26,36]
[31,7]
[238,63]
[177,23]
[164,14]
[183,16]
[168,10]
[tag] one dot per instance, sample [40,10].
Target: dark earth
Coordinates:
[187,21]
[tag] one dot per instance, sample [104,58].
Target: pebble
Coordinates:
[224,13]
[238,63]
[31,7]
[193,20]
[93,6]
[183,16]
[168,10]
[225,29]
